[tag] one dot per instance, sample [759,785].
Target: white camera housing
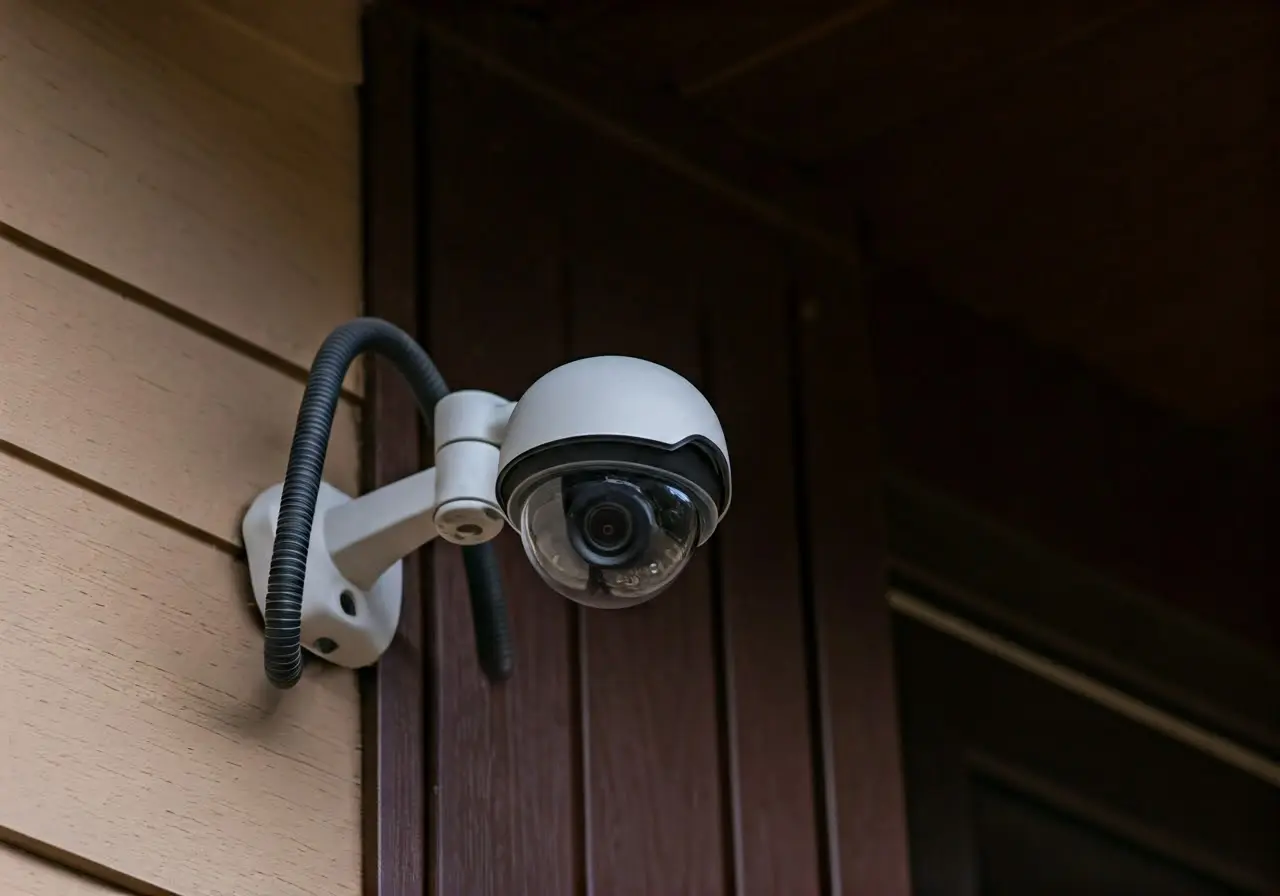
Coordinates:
[613,469]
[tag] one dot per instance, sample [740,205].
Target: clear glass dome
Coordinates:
[608,540]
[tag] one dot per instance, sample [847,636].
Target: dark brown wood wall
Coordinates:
[739,733]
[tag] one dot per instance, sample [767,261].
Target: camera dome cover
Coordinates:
[665,527]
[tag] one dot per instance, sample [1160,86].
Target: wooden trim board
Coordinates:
[393,693]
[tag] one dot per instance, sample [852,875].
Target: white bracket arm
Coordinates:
[368,535]
[352,591]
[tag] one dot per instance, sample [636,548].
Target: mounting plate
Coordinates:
[343,624]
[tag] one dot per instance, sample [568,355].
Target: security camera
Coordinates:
[613,469]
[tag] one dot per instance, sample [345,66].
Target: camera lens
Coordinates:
[607,528]
[610,522]
[606,539]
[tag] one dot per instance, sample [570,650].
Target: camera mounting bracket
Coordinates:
[354,579]
[346,624]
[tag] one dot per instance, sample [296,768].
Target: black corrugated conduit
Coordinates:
[283,612]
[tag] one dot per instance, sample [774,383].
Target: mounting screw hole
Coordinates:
[326,645]
[347,601]
[492,514]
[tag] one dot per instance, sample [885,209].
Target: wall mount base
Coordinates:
[341,622]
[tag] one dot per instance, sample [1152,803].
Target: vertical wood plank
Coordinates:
[653,776]
[863,792]
[936,764]
[506,773]
[392,692]
[763,608]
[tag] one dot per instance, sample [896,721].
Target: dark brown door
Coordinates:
[1020,784]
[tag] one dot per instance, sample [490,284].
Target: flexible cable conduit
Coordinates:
[283,612]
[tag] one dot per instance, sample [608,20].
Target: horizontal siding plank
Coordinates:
[127,398]
[217,52]
[22,874]
[141,735]
[324,35]
[131,143]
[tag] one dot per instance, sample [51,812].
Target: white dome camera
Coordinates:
[613,469]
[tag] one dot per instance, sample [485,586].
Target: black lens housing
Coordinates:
[611,522]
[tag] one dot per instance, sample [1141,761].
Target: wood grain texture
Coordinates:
[745,280]
[128,145]
[274,88]
[141,405]
[142,735]
[696,772]
[654,811]
[22,874]
[321,36]
[507,777]
[393,694]
[864,805]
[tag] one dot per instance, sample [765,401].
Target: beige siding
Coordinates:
[84,368]
[323,44]
[132,138]
[179,229]
[26,875]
